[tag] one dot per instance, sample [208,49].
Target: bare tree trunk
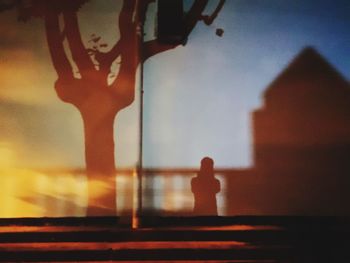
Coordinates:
[100,163]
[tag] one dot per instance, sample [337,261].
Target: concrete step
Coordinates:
[54,240]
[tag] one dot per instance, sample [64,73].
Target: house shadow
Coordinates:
[301,145]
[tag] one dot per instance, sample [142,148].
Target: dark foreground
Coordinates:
[171,239]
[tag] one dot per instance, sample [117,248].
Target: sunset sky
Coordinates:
[198,97]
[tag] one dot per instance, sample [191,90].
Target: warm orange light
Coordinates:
[135,219]
[7,156]
[28,193]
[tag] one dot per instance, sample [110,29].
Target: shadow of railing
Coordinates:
[63,192]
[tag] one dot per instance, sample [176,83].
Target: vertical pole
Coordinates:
[140,161]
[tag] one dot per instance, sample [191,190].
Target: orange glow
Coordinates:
[237,228]
[15,182]
[129,245]
[28,193]
[32,193]
[7,155]
[177,194]
[135,220]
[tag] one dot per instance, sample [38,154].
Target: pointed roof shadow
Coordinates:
[309,71]
[308,81]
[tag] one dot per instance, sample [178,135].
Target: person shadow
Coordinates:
[204,188]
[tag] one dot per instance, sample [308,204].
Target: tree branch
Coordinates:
[128,45]
[142,10]
[79,53]
[105,59]
[127,26]
[208,20]
[194,15]
[58,55]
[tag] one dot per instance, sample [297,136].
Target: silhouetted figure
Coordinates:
[205,187]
